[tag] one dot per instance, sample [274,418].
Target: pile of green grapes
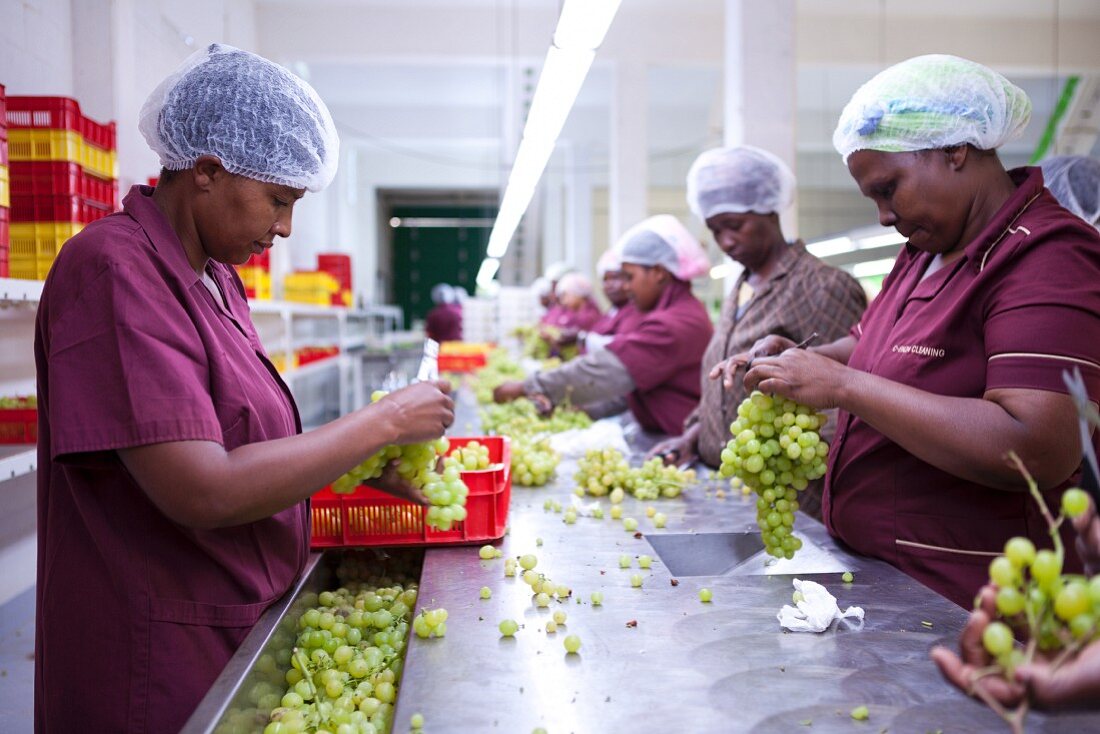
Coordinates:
[602,471]
[345,665]
[533,462]
[776,451]
[417,465]
[521,418]
[499,368]
[472,457]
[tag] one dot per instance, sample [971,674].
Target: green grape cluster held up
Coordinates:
[777,451]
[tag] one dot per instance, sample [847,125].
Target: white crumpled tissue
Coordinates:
[816,611]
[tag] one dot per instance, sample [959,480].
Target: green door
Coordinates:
[439,244]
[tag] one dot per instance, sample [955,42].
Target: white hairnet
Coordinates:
[609,261]
[443,293]
[932,102]
[260,120]
[554,271]
[1075,182]
[738,180]
[663,240]
[542,286]
[575,284]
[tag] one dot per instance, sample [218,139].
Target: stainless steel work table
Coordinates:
[656,658]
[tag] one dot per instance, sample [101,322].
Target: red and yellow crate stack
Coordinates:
[5,189]
[64,175]
[256,276]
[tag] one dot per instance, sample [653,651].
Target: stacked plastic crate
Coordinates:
[63,177]
[339,267]
[256,276]
[5,189]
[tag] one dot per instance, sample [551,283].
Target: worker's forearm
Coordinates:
[966,437]
[593,377]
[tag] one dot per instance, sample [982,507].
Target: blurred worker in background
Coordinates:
[444,321]
[656,364]
[579,311]
[620,317]
[554,311]
[739,193]
[1075,182]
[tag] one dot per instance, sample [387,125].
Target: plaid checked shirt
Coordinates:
[805,295]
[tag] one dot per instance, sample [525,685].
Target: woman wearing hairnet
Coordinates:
[960,358]
[444,322]
[172,481]
[739,193]
[621,316]
[656,365]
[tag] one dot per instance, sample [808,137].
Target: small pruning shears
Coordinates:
[1088,418]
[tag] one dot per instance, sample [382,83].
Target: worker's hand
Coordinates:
[396,485]
[766,347]
[675,451]
[1088,539]
[1074,682]
[963,669]
[543,404]
[799,375]
[564,337]
[508,391]
[420,412]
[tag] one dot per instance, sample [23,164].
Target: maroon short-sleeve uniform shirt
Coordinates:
[137,615]
[1021,306]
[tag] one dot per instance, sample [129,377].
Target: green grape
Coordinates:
[630,524]
[1010,601]
[542,599]
[572,644]
[596,598]
[551,627]
[705,595]
[559,617]
[659,520]
[644,561]
[487,552]
[1020,551]
[1002,572]
[624,561]
[485,592]
[528,561]
[860,713]
[416,721]
[1072,600]
[508,627]
[636,580]
[847,577]
[1046,567]
[997,638]
[1074,502]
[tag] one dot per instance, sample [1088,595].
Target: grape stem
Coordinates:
[303,663]
[1033,487]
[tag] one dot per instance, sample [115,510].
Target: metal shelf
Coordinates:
[14,291]
[17,460]
[312,368]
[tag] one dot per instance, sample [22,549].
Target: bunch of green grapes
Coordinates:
[447,494]
[473,456]
[565,418]
[416,462]
[654,479]
[533,462]
[600,471]
[1060,613]
[342,672]
[777,451]
[520,418]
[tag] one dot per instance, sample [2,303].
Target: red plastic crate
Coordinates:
[461,362]
[369,517]
[5,240]
[59,113]
[338,266]
[61,178]
[18,425]
[56,209]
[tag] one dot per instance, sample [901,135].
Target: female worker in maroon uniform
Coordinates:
[959,360]
[172,484]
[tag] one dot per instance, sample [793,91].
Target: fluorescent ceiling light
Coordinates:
[580,30]
[487,271]
[873,267]
[833,246]
[584,23]
[882,240]
[721,271]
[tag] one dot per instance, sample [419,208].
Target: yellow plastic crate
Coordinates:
[313,287]
[5,187]
[34,245]
[61,145]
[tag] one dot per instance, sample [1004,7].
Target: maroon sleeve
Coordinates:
[125,364]
[1043,315]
